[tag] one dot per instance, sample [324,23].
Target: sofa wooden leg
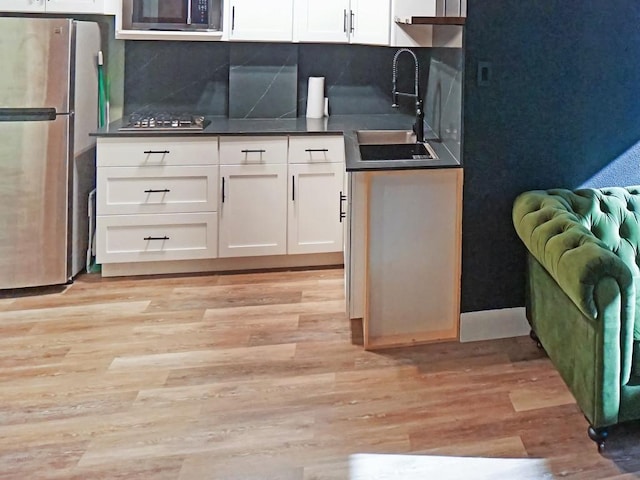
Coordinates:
[535,338]
[598,435]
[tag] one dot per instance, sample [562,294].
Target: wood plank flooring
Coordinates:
[262,376]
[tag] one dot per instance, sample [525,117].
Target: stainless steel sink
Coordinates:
[385,137]
[392,145]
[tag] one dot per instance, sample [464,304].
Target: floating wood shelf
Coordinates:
[431,20]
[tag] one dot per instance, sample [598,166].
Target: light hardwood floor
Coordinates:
[261,376]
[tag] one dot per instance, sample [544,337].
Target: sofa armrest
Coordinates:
[575,258]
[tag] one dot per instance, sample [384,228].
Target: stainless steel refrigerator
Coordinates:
[48,107]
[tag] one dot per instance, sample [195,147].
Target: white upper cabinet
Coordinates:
[60,6]
[259,20]
[370,21]
[80,6]
[22,5]
[323,21]
[342,21]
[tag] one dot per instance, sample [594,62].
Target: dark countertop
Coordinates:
[337,124]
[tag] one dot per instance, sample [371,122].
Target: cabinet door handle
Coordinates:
[253,151]
[317,150]
[293,188]
[342,214]
[222,189]
[160,152]
[151,190]
[233,18]
[156,238]
[345,21]
[352,17]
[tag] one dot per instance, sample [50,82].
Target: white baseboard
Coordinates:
[491,324]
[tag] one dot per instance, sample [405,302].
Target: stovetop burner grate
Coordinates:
[164,121]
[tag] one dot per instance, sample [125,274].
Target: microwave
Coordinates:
[198,15]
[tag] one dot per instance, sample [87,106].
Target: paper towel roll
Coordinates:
[317,124]
[315,97]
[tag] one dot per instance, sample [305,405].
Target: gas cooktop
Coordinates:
[164,121]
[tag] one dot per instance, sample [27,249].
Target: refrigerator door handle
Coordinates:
[28,114]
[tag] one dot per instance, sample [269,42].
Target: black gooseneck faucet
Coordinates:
[418,126]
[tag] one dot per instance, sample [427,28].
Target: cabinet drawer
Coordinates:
[146,238]
[253,150]
[143,151]
[316,149]
[122,190]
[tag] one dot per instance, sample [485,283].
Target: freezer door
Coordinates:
[33,203]
[35,58]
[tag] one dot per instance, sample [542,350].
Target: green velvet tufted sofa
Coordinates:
[583,294]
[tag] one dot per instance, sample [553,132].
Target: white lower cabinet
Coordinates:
[218,202]
[156,237]
[315,207]
[279,199]
[177,189]
[253,210]
[156,199]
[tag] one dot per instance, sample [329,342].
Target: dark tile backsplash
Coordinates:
[176,76]
[263,80]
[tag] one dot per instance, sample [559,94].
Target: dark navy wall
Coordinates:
[562,110]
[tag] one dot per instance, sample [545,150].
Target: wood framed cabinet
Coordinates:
[403,276]
[156,199]
[343,21]
[258,20]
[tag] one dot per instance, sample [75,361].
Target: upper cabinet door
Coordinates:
[259,20]
[82,6]
[75,6]
[60,6]
[323,20]
[371,22]
[22,5]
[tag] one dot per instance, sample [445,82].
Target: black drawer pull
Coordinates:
[151,190]
[160,152]
[293,188]
[253,151]
[156,238]
[342,215]
[316,150]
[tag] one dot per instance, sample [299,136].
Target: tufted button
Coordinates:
[604,207]
[623,231]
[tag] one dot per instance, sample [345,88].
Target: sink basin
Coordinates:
[397,151]
[384,137]
[392,145]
